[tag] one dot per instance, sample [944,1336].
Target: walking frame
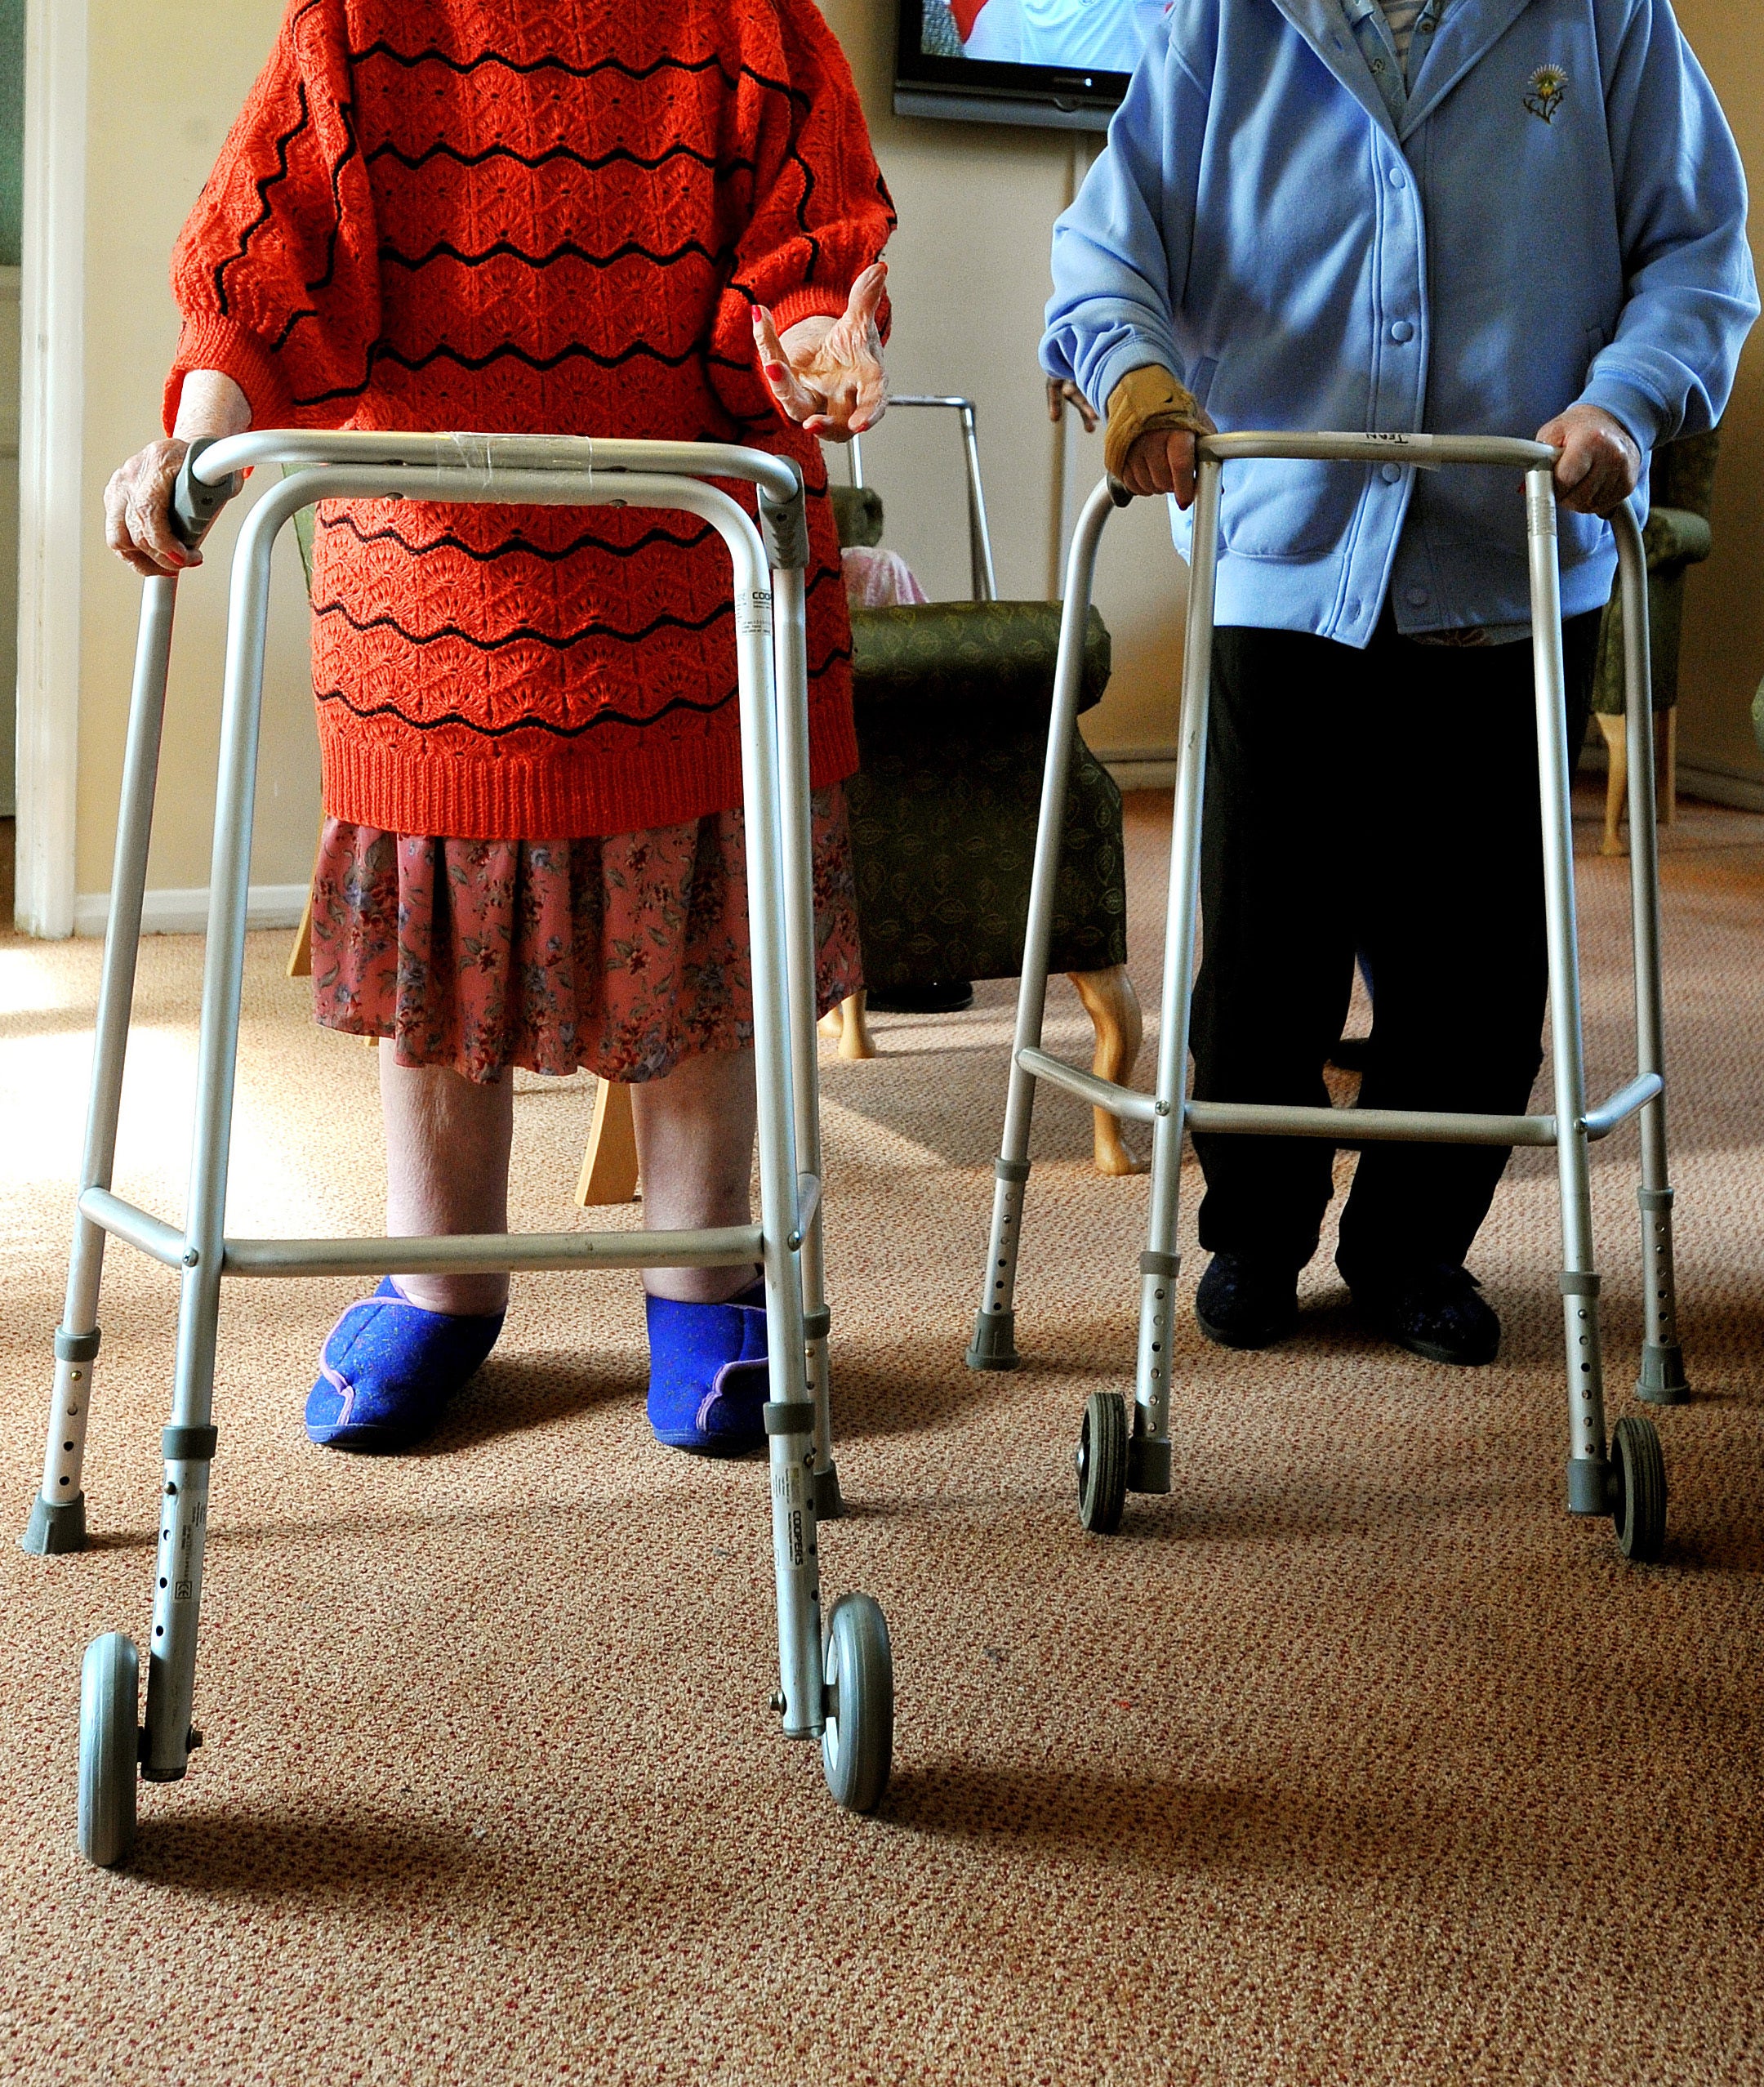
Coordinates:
[1624,1478]
[840,1693]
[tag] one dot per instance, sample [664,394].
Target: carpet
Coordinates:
[1357,1759]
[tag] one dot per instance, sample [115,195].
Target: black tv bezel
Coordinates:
[974,90]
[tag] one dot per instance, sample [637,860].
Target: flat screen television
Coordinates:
[1063,63]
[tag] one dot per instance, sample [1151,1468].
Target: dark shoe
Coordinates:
[1434,1312]
[942,996]
[1246,1304]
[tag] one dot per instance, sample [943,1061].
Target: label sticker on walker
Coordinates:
[790,1517]
[757,622]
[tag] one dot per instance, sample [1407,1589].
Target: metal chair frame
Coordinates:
[982,577]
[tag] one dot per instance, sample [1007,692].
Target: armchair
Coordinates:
[953,702]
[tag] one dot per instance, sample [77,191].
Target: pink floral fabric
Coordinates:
[625,954]
[875,578]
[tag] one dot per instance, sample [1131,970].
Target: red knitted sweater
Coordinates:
[550,215]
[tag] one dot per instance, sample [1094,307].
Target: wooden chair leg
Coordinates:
[1113,1006]
[300,956]
[855,1039]
[609,1165]
[1616,779]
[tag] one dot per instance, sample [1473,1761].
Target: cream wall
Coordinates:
[970,276]
[1723,658]
[166,79]
[970,272]
[969,269]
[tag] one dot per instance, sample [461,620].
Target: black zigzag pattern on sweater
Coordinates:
[529,634]
[554,731]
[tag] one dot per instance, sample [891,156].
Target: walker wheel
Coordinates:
[1638,1490]
[857,1747]
[1101,1463]
[108,1748]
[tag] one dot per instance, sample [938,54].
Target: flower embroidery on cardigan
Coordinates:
[1547,87]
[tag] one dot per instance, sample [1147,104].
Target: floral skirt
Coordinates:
[625,954]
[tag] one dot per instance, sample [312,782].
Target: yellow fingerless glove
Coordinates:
[1147,401]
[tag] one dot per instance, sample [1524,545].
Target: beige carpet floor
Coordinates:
[1357,1761]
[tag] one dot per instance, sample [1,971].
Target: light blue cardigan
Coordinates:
[1258,227]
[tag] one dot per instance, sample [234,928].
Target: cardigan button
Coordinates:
[1402,331]
[1390,473]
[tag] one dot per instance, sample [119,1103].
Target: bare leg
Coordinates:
[695,1140]
[448,1142]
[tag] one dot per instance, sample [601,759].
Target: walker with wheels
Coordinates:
[837,1688]
[1623,1477]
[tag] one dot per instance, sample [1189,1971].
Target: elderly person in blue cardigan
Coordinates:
[1469,217]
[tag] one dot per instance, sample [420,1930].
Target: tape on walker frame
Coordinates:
[1540,512]
[471,452]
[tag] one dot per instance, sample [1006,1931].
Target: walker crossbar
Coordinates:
[845,1701]
[1624,1477]
[1346,1127]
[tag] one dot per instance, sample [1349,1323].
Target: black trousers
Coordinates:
[1384,802]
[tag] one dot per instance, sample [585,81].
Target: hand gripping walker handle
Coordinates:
[195,504]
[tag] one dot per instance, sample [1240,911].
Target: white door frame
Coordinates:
[52,492]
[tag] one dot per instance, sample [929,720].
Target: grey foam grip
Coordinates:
[188,1445]
[195,504]
[785,1417]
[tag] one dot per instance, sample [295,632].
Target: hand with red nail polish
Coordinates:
[826,373]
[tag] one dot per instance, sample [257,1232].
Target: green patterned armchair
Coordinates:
[953,702]
[1682,492]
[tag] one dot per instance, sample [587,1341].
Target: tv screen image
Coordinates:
[1063,62]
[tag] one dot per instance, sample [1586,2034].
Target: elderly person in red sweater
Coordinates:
[587,219]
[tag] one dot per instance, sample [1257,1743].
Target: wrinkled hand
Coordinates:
[1600,465]
[826,373]
[1163,462]
[138,511]
[1061,393]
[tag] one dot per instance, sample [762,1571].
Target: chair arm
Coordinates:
[1675,536]
[971,654]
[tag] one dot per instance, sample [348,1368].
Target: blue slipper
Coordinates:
[708,1375]
[388,1369]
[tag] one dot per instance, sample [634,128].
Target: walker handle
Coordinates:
[195,505]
